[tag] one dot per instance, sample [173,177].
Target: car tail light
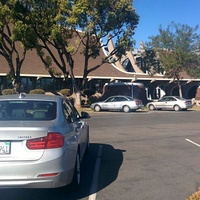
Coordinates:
[47,175]
[138,102]
[187,102]
[52,140]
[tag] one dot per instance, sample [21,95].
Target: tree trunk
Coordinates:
[180,89]
[76,93]
[77,102]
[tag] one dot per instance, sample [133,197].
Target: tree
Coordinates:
[108,20]
[176,46]
[13,47]
[151,62]
[55,23]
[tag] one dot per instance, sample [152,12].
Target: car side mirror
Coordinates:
[85,115]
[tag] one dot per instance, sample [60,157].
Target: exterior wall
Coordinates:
[188,89]
[153,88]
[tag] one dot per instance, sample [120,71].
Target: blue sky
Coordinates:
[162,12]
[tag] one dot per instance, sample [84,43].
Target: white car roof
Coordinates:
[31,97]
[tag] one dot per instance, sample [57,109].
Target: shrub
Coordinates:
[8,91]
[195,196]
[37,91]
[65,92]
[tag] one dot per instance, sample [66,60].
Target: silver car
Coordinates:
[124,103]
[43,140]
[170,103]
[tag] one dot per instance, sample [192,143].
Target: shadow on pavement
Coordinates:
[111,162]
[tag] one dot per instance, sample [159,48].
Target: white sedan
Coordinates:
[170,103]
[122,103]
[43,140]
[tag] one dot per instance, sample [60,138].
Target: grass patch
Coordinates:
[195,108]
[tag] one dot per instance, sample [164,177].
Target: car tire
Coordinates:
[126,109]
[151,107]
[176,108]
[76,181]
[97,108]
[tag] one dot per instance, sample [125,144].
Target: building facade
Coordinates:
[129,69]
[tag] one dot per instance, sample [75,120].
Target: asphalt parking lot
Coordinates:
[140,155]
[159,156]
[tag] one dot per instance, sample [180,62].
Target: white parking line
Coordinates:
[192,142]
[93,189]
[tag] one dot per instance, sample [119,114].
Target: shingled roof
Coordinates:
[33,66]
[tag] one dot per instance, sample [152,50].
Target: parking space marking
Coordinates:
[193,142]
[93,189]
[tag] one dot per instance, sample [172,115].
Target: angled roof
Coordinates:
[33,66]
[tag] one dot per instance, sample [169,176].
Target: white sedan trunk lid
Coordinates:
[13,138]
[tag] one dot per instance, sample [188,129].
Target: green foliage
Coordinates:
[47,21]
[176,47]
[49,26]
[193,66]
[107,19]
[55,23]
[101,19]
[8,91]
[23,33]
[15,36]
[37,91]
[65,92]
[151,62]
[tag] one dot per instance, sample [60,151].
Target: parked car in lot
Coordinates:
[43,140]
[170,103]
[122,103]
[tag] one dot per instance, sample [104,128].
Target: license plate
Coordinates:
[4,148]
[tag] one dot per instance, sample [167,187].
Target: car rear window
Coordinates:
[27,110]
